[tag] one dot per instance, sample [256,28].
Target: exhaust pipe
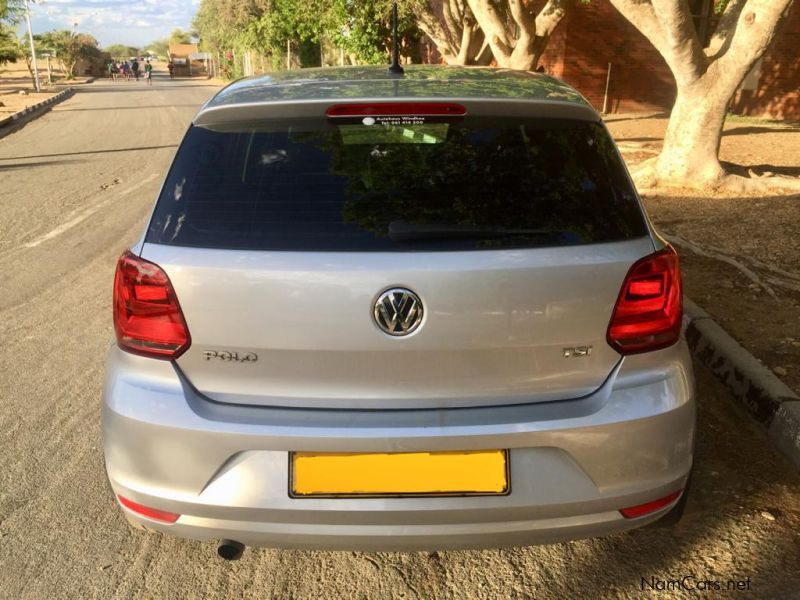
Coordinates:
[230,550]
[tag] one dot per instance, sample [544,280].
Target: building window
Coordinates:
[705,18]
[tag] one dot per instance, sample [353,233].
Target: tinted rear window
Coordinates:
[396,184]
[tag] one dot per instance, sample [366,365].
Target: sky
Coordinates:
[134,23]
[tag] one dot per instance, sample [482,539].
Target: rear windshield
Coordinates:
[396,184]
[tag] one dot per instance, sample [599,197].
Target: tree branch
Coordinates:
[494,28]
[522,16]
[550,16]
[642,16]
[432,27]
[755,29]
[453,26]
[720,39]
[469,31]
[680,39]
[662,22]
[545,23]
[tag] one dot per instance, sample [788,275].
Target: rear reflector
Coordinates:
[146,511]
[649,308]
[147,317]
[649,507]
[419,109]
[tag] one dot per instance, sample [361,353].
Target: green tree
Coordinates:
[364,29]
[121,51]
[178,36]
[10,47]
[69,48]
[11,10]
[159,47]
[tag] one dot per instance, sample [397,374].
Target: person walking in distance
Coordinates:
[148,73]
[171,67]
[135,69]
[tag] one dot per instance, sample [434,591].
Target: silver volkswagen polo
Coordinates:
[376,311]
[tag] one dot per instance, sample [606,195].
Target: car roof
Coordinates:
[284,91]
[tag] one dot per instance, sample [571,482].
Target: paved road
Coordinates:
[75,189]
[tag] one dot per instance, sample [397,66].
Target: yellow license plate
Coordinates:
[481,472]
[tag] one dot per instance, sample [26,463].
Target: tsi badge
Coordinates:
[576,351]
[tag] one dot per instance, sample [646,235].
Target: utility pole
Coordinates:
[33,49]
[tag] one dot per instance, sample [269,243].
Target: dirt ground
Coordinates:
[15,78]
[740,256]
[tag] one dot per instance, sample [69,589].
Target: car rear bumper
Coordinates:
[573,464]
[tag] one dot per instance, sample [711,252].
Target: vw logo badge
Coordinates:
[398,311]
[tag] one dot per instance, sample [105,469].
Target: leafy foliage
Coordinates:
[122,51]
[11,10]
[361,28]
[69,48]
[10,47]
[178,36]
[159,47]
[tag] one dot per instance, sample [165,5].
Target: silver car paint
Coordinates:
[573,463]
[597,444]
[495,324]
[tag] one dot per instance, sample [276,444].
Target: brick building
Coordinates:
[595,45]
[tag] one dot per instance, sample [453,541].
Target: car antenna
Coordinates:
[395,68]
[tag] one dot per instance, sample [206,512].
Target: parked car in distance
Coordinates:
[375,311]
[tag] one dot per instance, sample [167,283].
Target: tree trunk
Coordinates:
[29,64]
[692,139]
[516,36]
[455,32]
[706,80]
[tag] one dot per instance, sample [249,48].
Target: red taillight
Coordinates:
[146,511]
[147,317]
[641,510]
[648,312]
[419,109]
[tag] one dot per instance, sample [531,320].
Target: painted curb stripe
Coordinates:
[770,401]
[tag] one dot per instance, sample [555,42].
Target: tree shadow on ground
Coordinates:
[109,150]
[139,107]
[761,169]
[638,139]
[759,129]
[612,118]
[43,163]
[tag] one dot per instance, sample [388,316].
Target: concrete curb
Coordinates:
[765,396]
[33,111]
